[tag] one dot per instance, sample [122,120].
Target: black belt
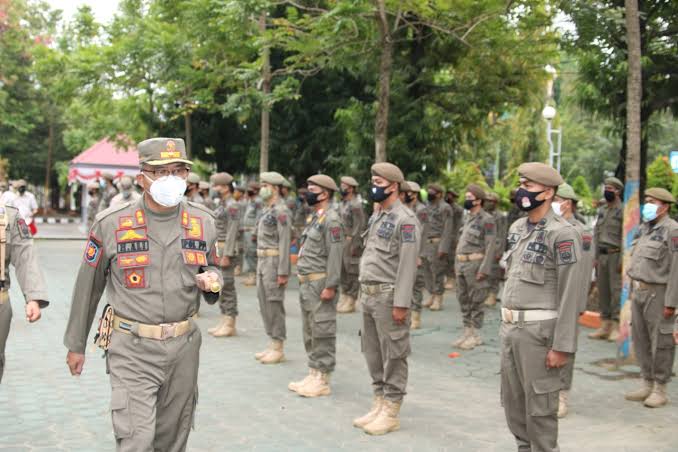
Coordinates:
[608,250]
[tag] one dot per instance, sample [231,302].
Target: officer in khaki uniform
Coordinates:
[388,269]
[409,191]
[93,204]
[16,248]
[565,205]
[154,257]
[608,238]
[354,220]
[250,217]
[274,233]
[193,189]
[540,308]
[109,192]
[475,257]
[319,268]
[457,221]
[654,295]
[204,190]
[491,206]
[228,225]
[436,245]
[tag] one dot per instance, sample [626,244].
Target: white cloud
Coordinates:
[103,9]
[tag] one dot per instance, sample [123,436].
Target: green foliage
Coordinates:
[659,174]
[462,174]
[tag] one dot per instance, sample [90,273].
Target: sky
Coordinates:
[103,9]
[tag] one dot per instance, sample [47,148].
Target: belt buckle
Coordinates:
[508,316]
[385,287]
[167,330]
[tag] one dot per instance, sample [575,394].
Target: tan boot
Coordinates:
[275,355]
[428,302]
[250,280]
[318,386]
[218,325]
[416,320]
[640,394]
[614,331]
[237,271]
[491,299]
[603,332]
[563,397]
[387,420]
[295,385]
[658,397]
[437,304]
[261,354]
[341,303]
[362,421]
[348,307]
[471,341]
[227,328]
[450,284]
[467,332]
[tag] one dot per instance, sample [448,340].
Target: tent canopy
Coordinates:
[104,156]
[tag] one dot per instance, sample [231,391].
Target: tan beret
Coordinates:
[477,191]
[221,179]
[614,182]
[240,188]
[660,194]
[414,187]
[162,151]
[286,183]
[348,180]
[193,178]
[566,191]
[436,187]
[126,182]
[272,178]
[108,176]
[93,186]
[253,186]
[453,192]
[540,173]
[204,185]
[492,197]
[323,181]
[388,171]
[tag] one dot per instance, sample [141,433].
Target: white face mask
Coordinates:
[556,208]
[168,190]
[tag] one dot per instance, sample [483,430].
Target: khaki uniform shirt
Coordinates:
[106,197]
[20,253]
[544,271]
[252,213]
[120,198]
[440,224]
[228,226]
[392,242]
[274,231]
[147,262]
[654,257]
[478,236]
[92,209]
[322,247]
[353,219]
[588,256]
[608,231]
[500,222]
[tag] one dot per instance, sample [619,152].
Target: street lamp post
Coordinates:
[548,113]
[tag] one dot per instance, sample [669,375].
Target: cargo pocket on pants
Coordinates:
[120,413]
[400,344]
[544,400]
[665,336]
[325,324]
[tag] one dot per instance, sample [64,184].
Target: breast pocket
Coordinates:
[474,237]
[652,250]
[532,273]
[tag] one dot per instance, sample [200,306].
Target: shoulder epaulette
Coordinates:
[201,207]
[116,208]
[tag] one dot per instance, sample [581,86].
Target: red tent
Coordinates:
[104,156]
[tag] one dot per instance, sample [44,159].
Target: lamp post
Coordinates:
[548,113]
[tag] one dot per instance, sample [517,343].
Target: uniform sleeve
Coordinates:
[410,241]
[334,238]
[490,233]
[448,227]
[25,262]
[89,286]
[359,220]
[502,234]
[570,269]
[671,299]
[232,218]
[596,234]
[213,263]
[284,238]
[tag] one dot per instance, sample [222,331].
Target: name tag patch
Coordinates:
[196,245]
[385,230]
[138,246]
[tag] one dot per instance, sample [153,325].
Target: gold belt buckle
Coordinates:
[508,315]
[167,330]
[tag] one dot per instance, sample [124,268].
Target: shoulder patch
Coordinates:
[201,207]
[335,234]
[408,233]
[674,243]
[115,208]
[566,252]
[489,228]
[24,231]
[93,251]
[586,240]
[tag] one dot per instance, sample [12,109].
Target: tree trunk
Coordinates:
[265,109]
[48,165]
[384,83]
[189,133]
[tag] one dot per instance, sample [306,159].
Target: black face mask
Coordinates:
[344,193]
[526,200]
[432,196]
[378,194]
[250,193]
[609,195]
[468,204]
[490,207]
[312,198]
[91,193]
[409,197]
[22,190]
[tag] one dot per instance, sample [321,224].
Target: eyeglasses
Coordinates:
[163,172]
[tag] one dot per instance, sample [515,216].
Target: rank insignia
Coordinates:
[335,234]
[184,219]
[126,222]
[130,235]
[408,233]
[135,278]
[195,257]
[195,229]
[566,252]
[170,151]
[24,232]
[93,252]
[133,260]
[140,217]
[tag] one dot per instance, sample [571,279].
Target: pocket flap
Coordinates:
[666,328]
[399,334]
[325,316]
[547,385]
[118,399]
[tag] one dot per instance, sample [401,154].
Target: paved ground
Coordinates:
[453,404]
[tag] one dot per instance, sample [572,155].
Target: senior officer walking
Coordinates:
[654,271]
[319,268]
[387,273]
[476,254]
[274,233]
[436,245]
[353,218]
[540,307]
[408,196]
[565,205]
[608,238]
[154,257]
[228,225]
[16,248]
